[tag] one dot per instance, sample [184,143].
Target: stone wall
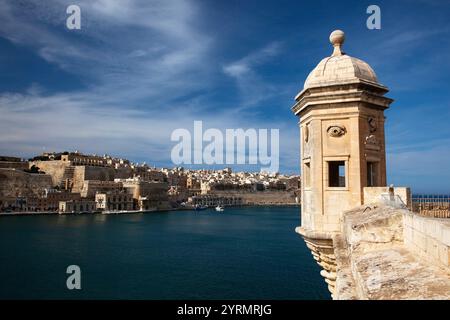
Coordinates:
[82,173]
[14,183]
[91,187]
[427,237]
[54,168]
[376,258]
[14,164]
[381,194]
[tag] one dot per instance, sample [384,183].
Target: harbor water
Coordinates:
[241,253]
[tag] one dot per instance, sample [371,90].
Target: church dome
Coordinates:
[339,67]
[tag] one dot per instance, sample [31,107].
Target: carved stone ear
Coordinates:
[336,131]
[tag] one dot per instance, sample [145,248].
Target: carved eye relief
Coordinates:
[336,131]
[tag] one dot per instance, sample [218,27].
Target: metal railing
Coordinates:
[436,206]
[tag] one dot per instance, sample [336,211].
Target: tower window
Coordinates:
[371,174]
[307,174]
[336,173]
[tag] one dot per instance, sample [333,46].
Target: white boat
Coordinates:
[220,209]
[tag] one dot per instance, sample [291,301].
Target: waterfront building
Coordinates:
[147,195]
[77,206]
[50,201]
[114,200]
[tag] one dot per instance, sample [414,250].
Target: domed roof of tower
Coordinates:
[339,67]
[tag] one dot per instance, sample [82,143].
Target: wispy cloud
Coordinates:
[252,86]
[160,44]
[246,64]
[70,121]
[136,88]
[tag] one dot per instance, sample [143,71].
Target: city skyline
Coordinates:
[133,74]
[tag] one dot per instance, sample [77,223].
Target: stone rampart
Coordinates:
[82,173]
[428,238]
[15,183]
[54,168]
[389,253]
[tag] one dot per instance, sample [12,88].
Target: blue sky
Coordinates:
[139,69]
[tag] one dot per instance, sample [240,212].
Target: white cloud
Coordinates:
[33,122]
[247,63]
[115,33]
[139,59]
[252,87]
[136,58]
[236,70]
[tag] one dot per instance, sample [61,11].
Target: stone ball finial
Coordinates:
[337,38]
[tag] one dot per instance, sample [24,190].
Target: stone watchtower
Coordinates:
[341,111]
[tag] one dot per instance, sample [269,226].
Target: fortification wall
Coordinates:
[54,168]
[428,238]
[14,183]
[82,173]
[14,164]
[384,252]
[389,253]
[99,173]
[123,173]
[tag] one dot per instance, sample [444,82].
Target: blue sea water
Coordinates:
[242,253]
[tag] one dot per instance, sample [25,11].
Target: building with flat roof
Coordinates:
[115,200]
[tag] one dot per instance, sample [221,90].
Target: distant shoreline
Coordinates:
[52,213]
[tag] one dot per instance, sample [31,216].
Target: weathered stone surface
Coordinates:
[374,262]
[373,226]
[17,183]
[428,238]
[397,274]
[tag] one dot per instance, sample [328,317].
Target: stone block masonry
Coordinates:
[428,238]
[15,183]
[389,253]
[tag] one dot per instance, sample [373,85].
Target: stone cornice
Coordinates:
[341,94]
